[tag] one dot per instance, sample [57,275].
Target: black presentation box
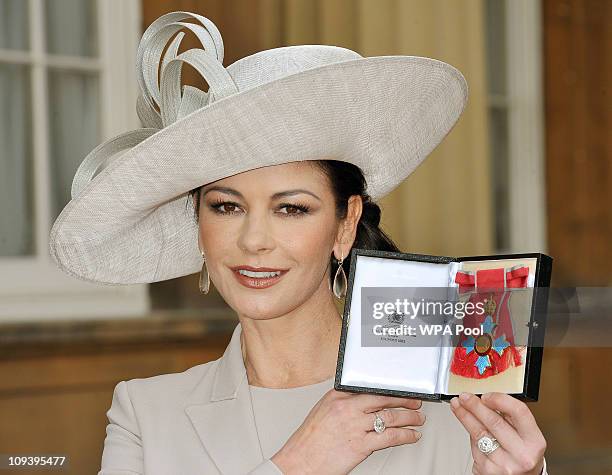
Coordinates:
[430,327]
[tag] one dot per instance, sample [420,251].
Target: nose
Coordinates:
[255,233]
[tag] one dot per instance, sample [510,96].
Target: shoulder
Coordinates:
[169,386]
[158,393]
[148,409]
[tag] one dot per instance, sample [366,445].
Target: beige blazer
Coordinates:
[201,421]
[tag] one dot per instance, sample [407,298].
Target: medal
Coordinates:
[489,305]
[493,351]
[485,344]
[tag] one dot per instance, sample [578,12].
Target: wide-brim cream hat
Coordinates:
[130,220]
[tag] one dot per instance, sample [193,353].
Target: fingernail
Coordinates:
[455,402]
[418,435]
[464,396]
[423,417]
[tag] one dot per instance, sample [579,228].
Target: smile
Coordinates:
[258,279]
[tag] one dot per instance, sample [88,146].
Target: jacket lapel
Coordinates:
[222,414]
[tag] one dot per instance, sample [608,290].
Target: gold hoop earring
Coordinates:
[204,277]
[340,283]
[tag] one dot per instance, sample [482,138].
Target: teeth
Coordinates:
[249,273]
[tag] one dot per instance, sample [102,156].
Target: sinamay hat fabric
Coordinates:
[130,221]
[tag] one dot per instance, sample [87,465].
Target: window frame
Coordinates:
[33,287]
[526,134]
[522,104]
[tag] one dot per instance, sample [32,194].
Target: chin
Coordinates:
[264,312]
[264,307]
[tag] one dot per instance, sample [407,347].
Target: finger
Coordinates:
[394,418]
[374,402]
[520,415]
[488,465]
[475,469]
[494,423]
[477,430]
[516,412]
[391,437]
[500,460]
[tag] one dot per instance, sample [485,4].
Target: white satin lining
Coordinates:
[412,369]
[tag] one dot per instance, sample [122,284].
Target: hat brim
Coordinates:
[132,223]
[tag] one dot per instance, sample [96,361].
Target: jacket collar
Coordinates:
[221,412]
[230,373]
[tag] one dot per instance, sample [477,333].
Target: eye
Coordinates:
[295,209]
[224,207]
[230,208]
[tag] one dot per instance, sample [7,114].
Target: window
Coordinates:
[67,83]
[516,123]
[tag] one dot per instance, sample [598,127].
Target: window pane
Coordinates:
[74,126]
[16,200]
[71,27]
[14,24]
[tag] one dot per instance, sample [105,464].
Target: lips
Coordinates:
[257,269]
[258,282]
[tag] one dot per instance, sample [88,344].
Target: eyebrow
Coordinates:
[280,194]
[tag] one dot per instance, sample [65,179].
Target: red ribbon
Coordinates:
[492,280]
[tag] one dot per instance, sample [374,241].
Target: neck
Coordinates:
[296,349]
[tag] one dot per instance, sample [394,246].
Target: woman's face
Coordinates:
[279,217]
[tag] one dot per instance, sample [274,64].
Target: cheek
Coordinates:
[308,247]
[309,244]
[215,240]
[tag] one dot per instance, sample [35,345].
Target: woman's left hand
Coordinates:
[510,421]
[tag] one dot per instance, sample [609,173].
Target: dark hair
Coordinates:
[346,180]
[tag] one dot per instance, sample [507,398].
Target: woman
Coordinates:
[276,217]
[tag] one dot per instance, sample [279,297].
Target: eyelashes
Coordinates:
[217,205]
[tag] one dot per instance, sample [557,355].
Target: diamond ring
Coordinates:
[379,424]
[487,444]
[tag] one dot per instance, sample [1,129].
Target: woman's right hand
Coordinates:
[338,432]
